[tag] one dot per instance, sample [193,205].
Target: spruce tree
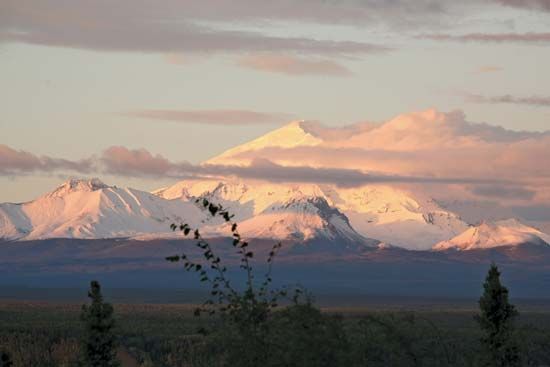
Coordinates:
[497,323]
[99,344]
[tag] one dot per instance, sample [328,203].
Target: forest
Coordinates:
[49,334]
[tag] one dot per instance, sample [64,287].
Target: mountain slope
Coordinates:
[291,135]
[395,216]
[302,219]
[387,214]
[496,234]
[91,209]
[298,213]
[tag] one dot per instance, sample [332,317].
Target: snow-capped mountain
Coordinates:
[395,216]
[284,212]
[366,215]
[92,209]
[294,134]
[387,214]
[401,215]
[495,234]
[302,219]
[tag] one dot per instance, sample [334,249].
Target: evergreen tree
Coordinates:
[497,323]
[5,360]
[99,346]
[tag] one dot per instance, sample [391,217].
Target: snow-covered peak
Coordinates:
[396,216]
[303,218]
[279,211]
[91,209]
[485,235]
[291,135]
[388,214]
[75,184]
[243,198]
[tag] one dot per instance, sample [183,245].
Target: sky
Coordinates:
[117,89]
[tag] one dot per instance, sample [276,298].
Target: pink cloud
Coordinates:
[293,65]
[139,163]
[426,144]
[539,101]
[530,37]
[145,26]
[528,4]
[213,117]
[15,162]
[120,160]
[425,148]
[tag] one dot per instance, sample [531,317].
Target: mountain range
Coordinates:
[86,225]
[366,216]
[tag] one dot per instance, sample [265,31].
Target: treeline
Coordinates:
[295,335]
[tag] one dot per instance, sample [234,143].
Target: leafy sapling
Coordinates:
[224,297]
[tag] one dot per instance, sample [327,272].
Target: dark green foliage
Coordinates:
[496,320]
[41,334]
[241,339]
[534,344]
[302,336]
[297,335]
[5,360]
[407,339]
[31,349]
[99,344]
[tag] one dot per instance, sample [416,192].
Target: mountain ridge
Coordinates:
[486,235]
[362,217]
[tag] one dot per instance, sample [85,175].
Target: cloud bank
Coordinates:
[118,160]
[121,161]
[197,26]
[17,162]
[213,117]
[421,144]
[293,65]
[140,163]
[538,101]
[148,26]
[427,147]
[529,38]
[527,4]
